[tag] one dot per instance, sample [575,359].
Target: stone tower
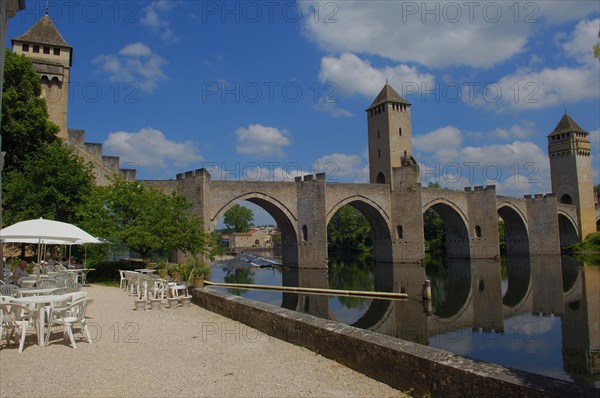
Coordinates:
[389,134]
[571,171]
[51,56]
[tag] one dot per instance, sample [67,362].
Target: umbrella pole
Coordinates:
[39,251]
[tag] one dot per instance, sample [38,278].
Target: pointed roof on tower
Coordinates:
[43,32]
[387,94]
[566,125]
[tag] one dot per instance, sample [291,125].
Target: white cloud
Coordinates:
[136,50]
[259,140]
[404,31]
[595,140]
[580,42]
[352,75]
[135,64]
[535,89]
[437,34]
[448,137]
[517,168]
[563,11]
[541,89]
[515,131]
[339,166]
[332,108]
[154,18]
[150,148]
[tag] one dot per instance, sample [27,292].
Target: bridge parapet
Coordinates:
[194,174]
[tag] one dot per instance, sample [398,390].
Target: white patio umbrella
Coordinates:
[48,232]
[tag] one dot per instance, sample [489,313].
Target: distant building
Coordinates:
[254,238]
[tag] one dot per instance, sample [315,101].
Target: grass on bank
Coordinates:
[588,250]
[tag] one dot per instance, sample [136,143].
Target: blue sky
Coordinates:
[266,90]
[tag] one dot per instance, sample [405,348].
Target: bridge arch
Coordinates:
[378,219]
[567,228]
[285,219]
[455,222]
[516,234]
[518,290]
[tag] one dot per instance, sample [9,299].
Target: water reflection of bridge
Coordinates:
[475,298]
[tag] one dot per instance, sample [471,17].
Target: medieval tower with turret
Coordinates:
[52,58]
[571,171]
[390,135]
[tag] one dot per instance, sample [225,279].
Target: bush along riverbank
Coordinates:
[587,251]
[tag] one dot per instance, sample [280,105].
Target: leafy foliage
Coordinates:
[144,219]
[25,125]
[349,231]
[238,219]
[434,228]
[53,183]
[588,250]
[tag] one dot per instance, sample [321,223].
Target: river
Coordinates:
[540,314]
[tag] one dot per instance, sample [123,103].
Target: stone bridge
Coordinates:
[304,207]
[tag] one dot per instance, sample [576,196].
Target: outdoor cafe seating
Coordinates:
[61,306]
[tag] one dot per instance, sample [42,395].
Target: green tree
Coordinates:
[238,219]
[53,183]
[144,219]
[349,231]
[25,125]
[434,228]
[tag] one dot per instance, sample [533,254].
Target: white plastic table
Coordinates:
[81,272]
[41,302]
[145,271]
[34,291]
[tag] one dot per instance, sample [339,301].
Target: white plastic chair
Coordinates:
[77,295]
[123,281]
[157,288]
[3,300]
[17,316]
[68,317]
[46,283]
[27,281]
[8,290]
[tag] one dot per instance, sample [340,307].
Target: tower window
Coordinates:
[379,153]
[36,48]
[56,51]
[304,233]
[477,231]
[400,232]
[46,50]
[377,133]
[566,199]
[399,130]
[25,47]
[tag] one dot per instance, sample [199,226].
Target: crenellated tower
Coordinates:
[389,129]
[571,171]
[51,57]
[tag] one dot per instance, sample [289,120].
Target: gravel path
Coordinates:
[172,353]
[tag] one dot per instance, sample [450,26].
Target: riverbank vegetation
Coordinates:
[587,251]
